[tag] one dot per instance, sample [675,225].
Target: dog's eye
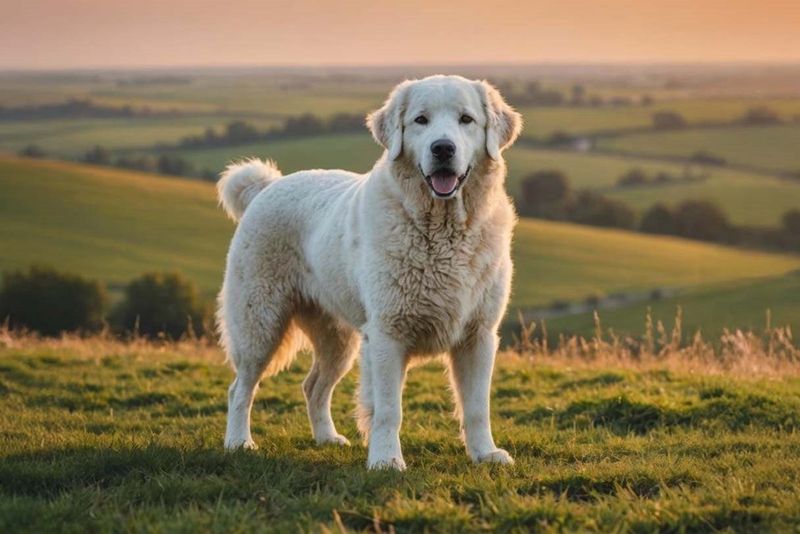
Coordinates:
[466,119]
[422,119]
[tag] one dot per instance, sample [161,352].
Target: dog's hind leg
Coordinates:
[335,348]
[267,343]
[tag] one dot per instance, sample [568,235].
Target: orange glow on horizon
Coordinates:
[94,33]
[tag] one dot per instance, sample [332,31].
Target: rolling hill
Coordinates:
[114,225]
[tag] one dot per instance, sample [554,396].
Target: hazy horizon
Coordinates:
[96,34]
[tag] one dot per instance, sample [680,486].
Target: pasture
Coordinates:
[113,225]
[102,436]
[768,147]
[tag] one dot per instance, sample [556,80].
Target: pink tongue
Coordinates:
[444,184]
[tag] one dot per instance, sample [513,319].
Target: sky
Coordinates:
[61,34]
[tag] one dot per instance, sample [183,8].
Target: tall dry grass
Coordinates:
[772,352]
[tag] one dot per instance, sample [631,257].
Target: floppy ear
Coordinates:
[503,124]
[386,124]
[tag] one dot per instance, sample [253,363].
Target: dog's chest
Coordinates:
[432,283]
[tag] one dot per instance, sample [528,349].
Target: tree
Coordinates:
[238,132]
[701,219]
[544,194]
[760,115]
[174,165]
[161,303]
[791,222]
[49,302]
[659,219]
[633,177]
[32,151]
[98,155]
[594,209]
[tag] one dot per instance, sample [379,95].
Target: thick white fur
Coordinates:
[376,261]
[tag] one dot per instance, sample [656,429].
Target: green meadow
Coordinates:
[104,437]
[768,147]
[113,225]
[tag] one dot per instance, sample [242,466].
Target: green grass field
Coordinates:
[747,198]
[769,147]
[541,122]
[114,225]
[709,310]
[129,439]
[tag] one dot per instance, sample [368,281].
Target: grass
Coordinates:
[99,436]
[114,225]
[710,310]
[747,198]
[562,261]
[541,122]
[71,138]
[108,224]
[768,147]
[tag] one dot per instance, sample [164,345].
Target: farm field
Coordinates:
[709,310]
[747,198]
[114,225]
[72,138]
[768,147]
[105,437]
[540,122]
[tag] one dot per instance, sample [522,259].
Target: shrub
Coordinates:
[659,219]
[544,194]
[50,302]
[760,116]
[596,210]
[32,151]
[161,304]
[791,222]
[633,177]
[707,158]
[98,155]
[701,219]
[174,165]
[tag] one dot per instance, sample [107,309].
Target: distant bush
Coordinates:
[32,151]
[158,304]
[594,209]
[633,177]
[701,219]
[761,115]
[791,222]
[97,155]
[49,302]
[174,165]
[668,120]
[544,194]
[138,163]
[707,158]
[659,219]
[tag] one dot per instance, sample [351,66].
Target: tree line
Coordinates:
[77,108]
[548,194]
[154,305]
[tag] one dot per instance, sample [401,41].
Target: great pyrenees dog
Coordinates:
[410,259]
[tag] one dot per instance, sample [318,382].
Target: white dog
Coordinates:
[410,259]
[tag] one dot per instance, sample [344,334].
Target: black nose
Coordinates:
[443,150]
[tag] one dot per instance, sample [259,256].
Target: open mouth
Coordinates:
[444,182]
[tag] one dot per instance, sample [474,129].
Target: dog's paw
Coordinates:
[245,445]
[334,439]
[497,456]
[397,464]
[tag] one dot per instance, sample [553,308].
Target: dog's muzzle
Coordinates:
[444,182]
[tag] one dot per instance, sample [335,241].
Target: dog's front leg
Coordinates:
[471,366]
[387,368]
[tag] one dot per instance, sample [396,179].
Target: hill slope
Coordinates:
[114,225]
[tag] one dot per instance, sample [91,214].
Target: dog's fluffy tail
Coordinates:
[240,182]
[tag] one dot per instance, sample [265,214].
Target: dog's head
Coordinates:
[444,126]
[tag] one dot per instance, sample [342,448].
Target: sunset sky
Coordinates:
[36,34]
